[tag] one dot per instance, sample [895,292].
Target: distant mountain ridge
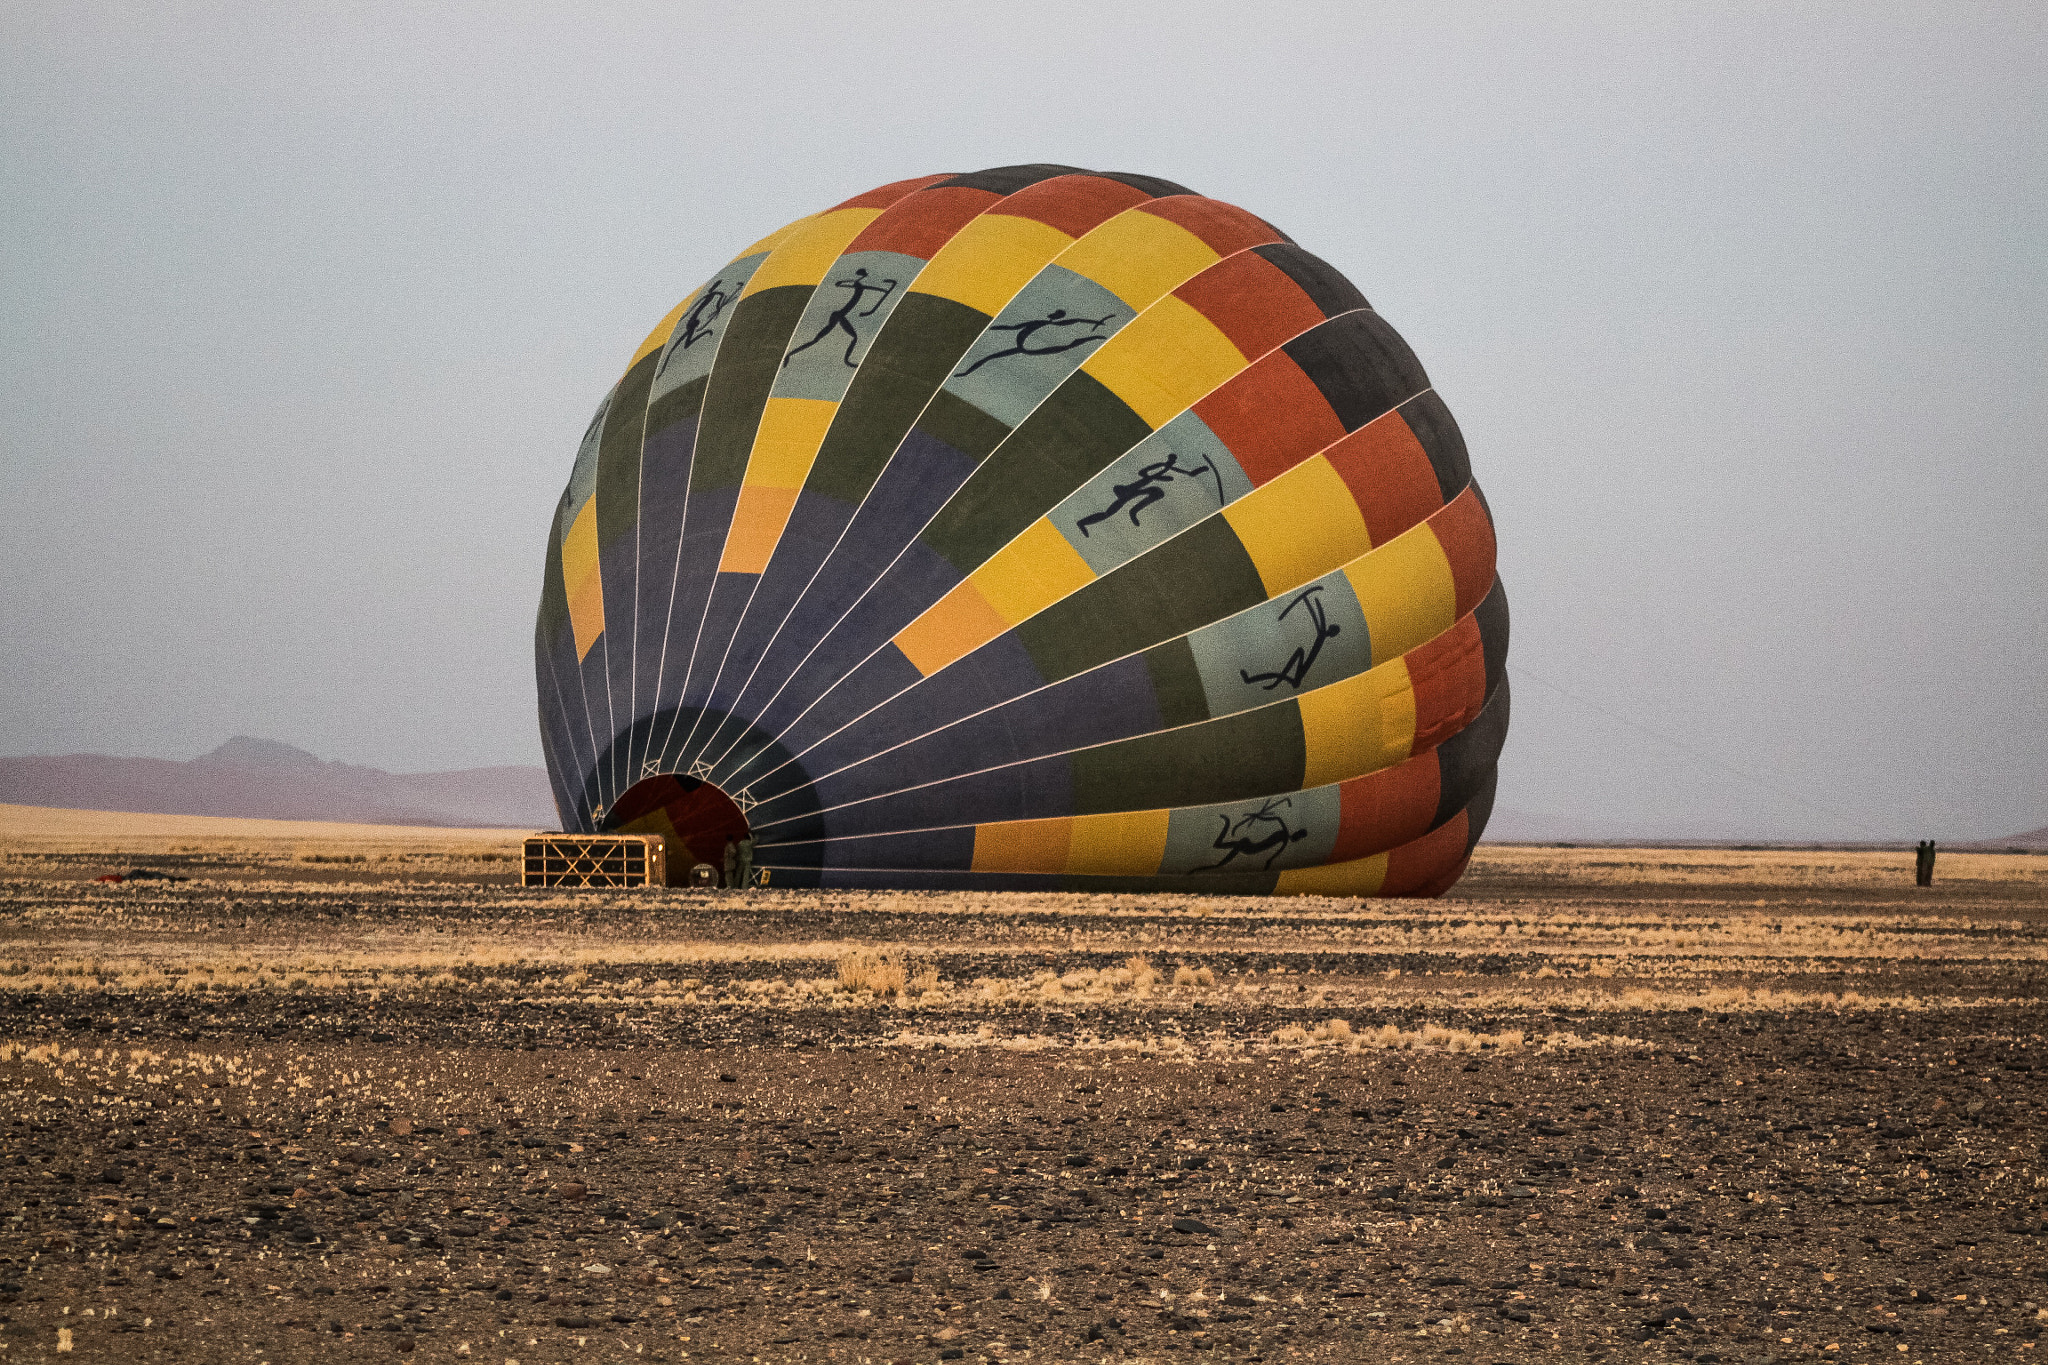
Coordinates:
[255,778]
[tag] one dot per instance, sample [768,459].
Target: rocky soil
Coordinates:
[280,1121]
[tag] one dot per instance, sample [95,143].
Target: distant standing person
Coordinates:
[745,850]
[1923,863]
[732,864]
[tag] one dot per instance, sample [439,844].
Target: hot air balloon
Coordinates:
[1029,529]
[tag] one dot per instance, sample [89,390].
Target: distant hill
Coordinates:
[264,779]
[2034,840]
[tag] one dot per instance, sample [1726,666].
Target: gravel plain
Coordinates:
[1597,1105]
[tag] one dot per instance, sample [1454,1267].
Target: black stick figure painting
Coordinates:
[1295,671]
[1236,841]
[840,319]
[1021,343]
[1145,490]
[698,320]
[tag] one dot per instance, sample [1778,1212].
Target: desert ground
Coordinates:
[349,1094]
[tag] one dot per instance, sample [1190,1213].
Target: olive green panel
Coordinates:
[618,453]
[961,425]
[901,371]
[1201,575]
[1078,431]
[1177,683]
[681,404]
[1253,753]
[748,359]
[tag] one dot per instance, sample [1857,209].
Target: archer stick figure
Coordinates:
[1142,491]
[1021,343]
[1235,840]
[1295,670]
[838,321]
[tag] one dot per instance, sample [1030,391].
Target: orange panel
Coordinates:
[960,621]
[757,523]
[1023,846]
[586,612]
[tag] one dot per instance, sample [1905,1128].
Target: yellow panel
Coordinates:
[1021,846]
[1139,256]
[586,611]
[773,239]
[1300,526]
[1165,359]
[1127,843]
[958,622]
[579,547]
[787,440]
[989,260]
[658,338]
[1359,725]
[1407,592]
[1031,573]
[1359,877]
[757,523]
[805,256]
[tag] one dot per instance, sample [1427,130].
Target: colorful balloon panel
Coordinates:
[1033,528]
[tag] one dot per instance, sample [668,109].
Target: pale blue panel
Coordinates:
[853,301]
[1295,643]
[1159,487]
[694,342]
[1054,324]
[1297,830]
[583,474]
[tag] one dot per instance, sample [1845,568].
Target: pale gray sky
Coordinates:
[1741,308]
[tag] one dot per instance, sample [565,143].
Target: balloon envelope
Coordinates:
[1032,528]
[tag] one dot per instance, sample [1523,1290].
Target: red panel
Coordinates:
[1272,416]
[1389,474]
[1387,808]
[1226,228]
[1073,203]
[919,224]
[884,195]
[1466,533]
[1433,863]
[1251,301]
[1449,677]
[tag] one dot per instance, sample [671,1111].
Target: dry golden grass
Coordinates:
[35,839]
[37,828]
[1732,931]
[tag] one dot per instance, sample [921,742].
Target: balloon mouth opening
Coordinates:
[695,819]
